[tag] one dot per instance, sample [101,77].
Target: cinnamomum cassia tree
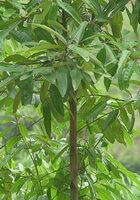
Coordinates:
[58,126]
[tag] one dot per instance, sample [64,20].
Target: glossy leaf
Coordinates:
[82,52]
[96,110]
[52,32]
[62,80]
[110,119]
[47,117]
[70,10]
[56,99]
[76,76]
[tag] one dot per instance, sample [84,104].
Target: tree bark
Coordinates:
[73,151]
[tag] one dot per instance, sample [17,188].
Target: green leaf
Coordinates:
[17,58]
[78,34]
[56,25]
[16,101]
[123,58]
[6,67]
[125,74]
[103,194]
[45,9]
[86,107]
[107,83]
[60,152]
[70,10]
[4,33]
[18,184]
[111,53]
[122,64]
[62,80]
[56,99]
[76,76]
[95,6]
[7,158]
[110,119]
[26,86]
[120,6]
[23,130]
[117,24]
[124,116]
[82,52]
[22,35]
[96,110]
[12,142]
[118,133]
[47,117]
[43,46]
[4,24]
[132,176]
[8,12]
[9,79]
[60,37]
[54,111]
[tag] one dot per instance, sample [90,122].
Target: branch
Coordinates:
[107,96]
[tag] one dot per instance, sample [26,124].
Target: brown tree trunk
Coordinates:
[73,151]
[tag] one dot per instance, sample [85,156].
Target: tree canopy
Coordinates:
[57,127]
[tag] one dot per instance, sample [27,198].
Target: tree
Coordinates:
[53,54]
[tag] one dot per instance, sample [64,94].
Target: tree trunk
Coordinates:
[73,151]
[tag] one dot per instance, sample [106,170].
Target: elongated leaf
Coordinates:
[12,142]
[22,35]
[120,5]
[23,130]
[54,111]
[41,17]
[110,119]
[95,6]
[111,53]
[9,79]
[6,67]
[56,99]
[16,101]
[62,79]
[60,152]
[124,116]
[56,25]
[104,194]
[4,33]
[47,117]
[78,34]
[117,25]
[52,32]
[26,87]
[76,76]
[18,184]
[86,107]
[96,110]
[82,52]
[17,58]
[7,158]
[121,64]
[124,58]
[131,175]
[70,10]
[43,46]
[125,74]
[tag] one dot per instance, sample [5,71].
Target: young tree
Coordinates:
[53,53]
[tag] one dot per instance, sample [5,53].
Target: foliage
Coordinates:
[53,51]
